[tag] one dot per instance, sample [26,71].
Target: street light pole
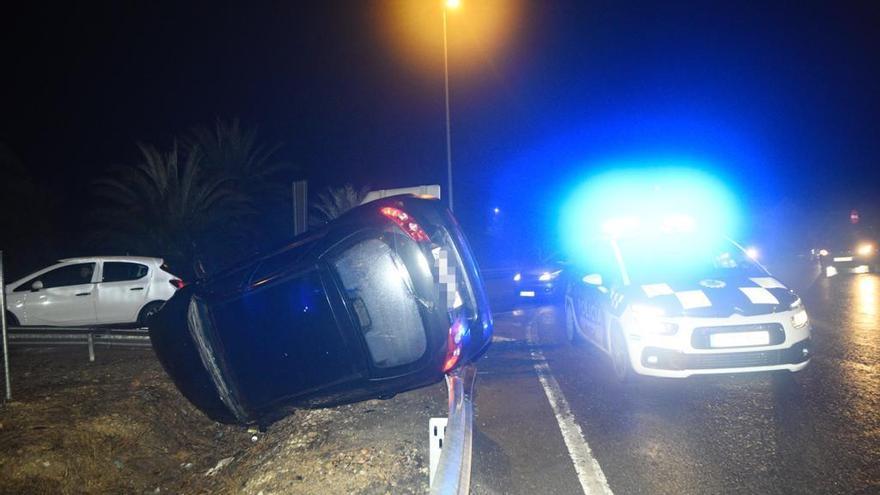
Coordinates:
[449,4]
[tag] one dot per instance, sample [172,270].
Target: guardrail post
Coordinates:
[91,347]
[3,324]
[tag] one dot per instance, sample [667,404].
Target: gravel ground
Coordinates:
[119,425]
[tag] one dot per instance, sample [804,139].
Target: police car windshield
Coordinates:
[676,257]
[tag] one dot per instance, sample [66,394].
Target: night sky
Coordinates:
[782,101]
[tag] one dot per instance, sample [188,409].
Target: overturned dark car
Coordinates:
[385,299]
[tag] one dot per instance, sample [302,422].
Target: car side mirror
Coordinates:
[36,286]
[593,279]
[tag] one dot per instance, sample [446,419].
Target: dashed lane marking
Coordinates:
[589,473]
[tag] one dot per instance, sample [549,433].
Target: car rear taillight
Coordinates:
[177,283]
[458,333]
[406,222]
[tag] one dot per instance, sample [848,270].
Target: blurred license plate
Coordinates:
[843,258]
[739,339]
[527,293]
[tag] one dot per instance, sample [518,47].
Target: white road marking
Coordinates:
[589,473]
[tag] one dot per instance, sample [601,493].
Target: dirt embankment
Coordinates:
[118,425]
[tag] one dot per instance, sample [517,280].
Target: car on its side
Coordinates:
[97,290]
[677,304]
[384,299]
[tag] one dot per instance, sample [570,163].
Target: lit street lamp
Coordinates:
[450,4]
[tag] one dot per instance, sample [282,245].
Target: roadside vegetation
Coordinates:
[213,195]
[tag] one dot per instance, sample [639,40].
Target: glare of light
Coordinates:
[865,249]
[752,253]
[548,276]
[645,319]
[823,252]
[617,227]
[679,223]
[496,210]
[867,295]
[646,197]
[862,269]
[411,33]
[830,271]
[517,277]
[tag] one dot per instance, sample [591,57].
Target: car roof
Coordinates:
[135,259]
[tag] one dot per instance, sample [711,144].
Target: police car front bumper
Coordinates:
[690,352]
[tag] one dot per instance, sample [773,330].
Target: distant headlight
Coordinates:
[646,320]
[823,252]
[865,249]
[799,319]
[548,276]
[517,277]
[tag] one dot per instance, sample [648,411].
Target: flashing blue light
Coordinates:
[650,201]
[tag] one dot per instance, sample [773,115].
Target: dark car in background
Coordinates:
[852,249]
[386,298]
[541,281]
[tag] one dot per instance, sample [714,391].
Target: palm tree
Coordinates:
[170,204]
[334,201]
[235,152]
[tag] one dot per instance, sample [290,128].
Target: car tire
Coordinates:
[148,312]
[620,364]
[571,333]
[11,320]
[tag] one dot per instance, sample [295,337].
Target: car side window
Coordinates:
[117,271]
[76,274]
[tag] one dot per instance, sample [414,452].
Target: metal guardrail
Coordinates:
[454,469]
[90,336]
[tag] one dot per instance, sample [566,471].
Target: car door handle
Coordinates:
[83,294]
[137,288]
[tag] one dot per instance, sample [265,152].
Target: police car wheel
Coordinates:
[620,356]
[571,333]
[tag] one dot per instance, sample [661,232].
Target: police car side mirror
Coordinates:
[593,279]
[36,286]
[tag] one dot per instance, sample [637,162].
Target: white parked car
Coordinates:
[91,291]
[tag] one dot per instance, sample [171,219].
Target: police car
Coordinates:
[672,303]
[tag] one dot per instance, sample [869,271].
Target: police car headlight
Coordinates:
[647,320]
[548,276]
[799,319]
[865,249]
[517,277]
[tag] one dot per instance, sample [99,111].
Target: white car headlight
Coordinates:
[517,277]
[647,320]
[548,276]
[799,319]
[866,249]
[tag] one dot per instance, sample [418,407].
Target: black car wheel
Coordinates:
[11,320]
[571,332]
[148,312]
[620,355]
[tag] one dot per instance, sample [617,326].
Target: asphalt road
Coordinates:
[551,419]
